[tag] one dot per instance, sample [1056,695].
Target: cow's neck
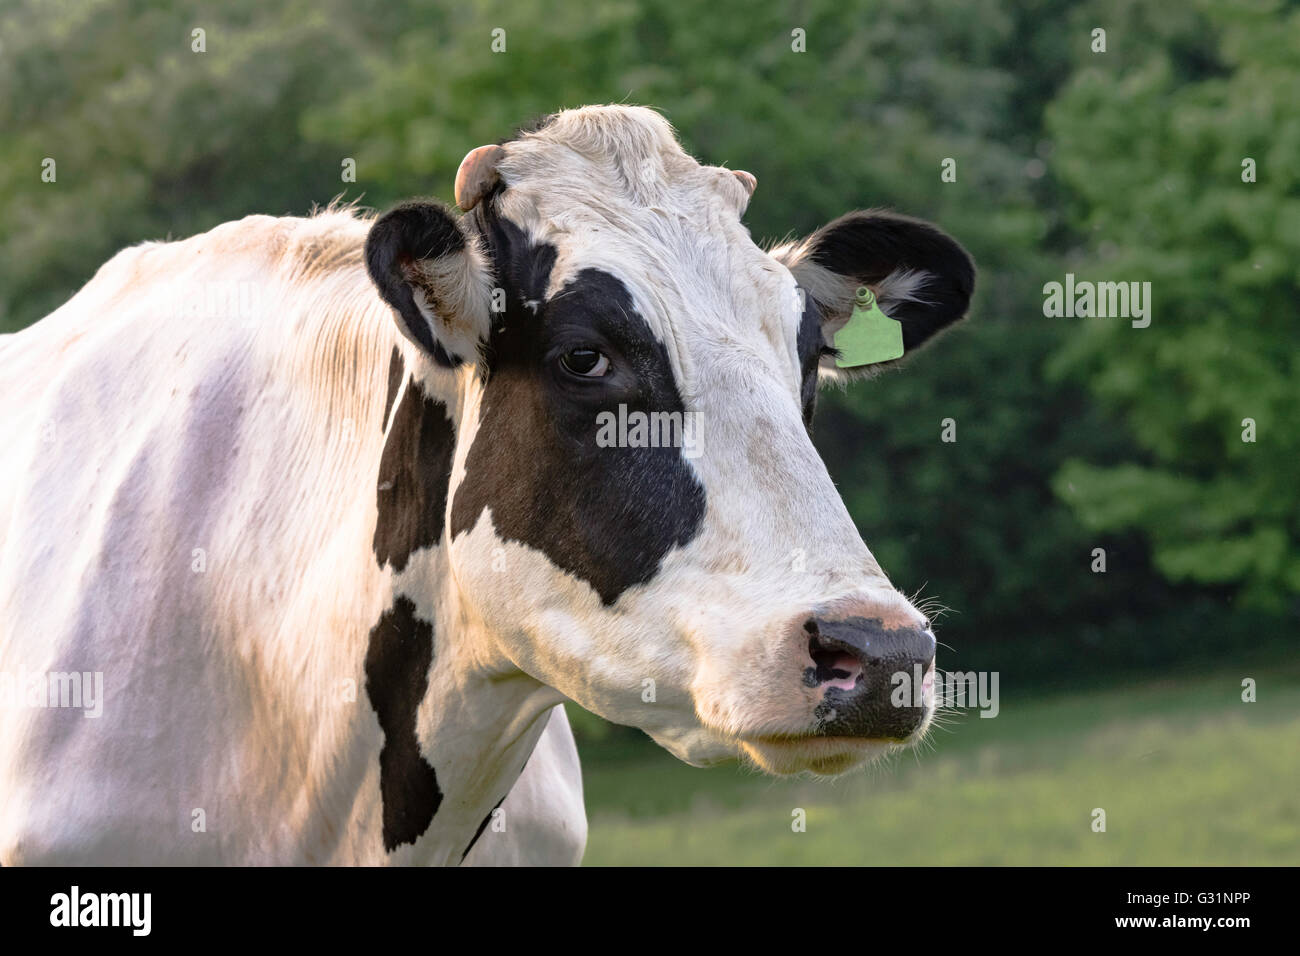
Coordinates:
[459,720]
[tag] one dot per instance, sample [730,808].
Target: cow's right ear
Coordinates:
[436,278]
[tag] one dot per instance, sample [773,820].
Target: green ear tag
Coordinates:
[870,336]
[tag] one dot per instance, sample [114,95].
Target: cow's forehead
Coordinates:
[610,189]
[625,157]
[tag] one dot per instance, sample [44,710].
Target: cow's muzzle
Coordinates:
[877,681]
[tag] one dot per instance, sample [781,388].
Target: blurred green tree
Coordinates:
[1154,141]
[149,136]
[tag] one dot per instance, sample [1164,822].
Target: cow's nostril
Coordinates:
[832,667]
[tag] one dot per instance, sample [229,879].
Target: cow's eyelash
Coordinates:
[830,351]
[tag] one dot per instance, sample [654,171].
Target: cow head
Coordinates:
[636,513]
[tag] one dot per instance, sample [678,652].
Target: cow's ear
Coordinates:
[433,274]
[920,276]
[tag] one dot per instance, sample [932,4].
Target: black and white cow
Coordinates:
[332,510]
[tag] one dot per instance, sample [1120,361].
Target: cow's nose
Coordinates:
[873,677]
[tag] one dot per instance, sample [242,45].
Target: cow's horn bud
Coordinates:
[748,180]
[477,174]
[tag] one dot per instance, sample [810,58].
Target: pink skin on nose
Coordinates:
[844,663]
[847,663]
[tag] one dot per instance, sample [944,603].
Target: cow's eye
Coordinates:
[585,363]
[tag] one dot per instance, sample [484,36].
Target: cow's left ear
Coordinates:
[428,269]
[921,277]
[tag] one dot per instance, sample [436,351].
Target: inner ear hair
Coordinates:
[833,293]
[434,276]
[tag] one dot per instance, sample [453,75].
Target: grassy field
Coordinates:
[1186,772]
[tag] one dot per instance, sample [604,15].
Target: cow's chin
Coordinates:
[823,756]
[780,756]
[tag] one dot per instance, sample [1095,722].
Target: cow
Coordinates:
[333,513]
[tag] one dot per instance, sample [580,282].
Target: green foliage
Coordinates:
[1152,146]
[150,138]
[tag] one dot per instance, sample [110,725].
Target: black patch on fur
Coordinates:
[398,658]
[606,515]
[396,371]
[444,358]
[810,343]
[414,471]
[412,231]
[868,246]
[523,269]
